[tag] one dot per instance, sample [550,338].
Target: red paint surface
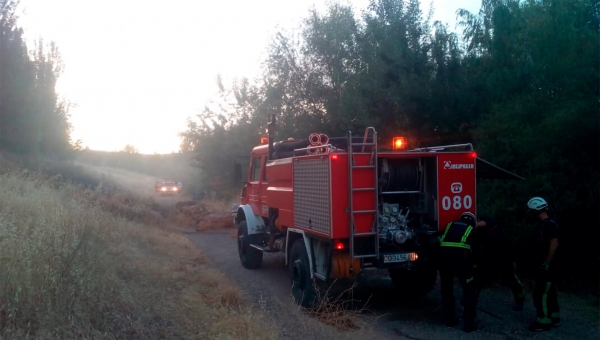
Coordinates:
[456,186]
[456,189]
[340,219]
[280,193]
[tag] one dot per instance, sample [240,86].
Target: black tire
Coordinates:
[303,287]
[414,284]
[251,258]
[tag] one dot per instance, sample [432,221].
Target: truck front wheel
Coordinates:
[251,258]
[303,286]
[413,284]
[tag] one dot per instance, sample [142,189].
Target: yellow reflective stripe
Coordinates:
[515,274]
[446,231]
[455,244]
[545,300]
[464,238]
[544,321]
[469,280]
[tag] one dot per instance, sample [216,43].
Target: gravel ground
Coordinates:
[383,318]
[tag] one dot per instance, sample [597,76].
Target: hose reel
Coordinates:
[403,175]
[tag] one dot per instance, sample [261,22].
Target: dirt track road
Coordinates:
[268,288]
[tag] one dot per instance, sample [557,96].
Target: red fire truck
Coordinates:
[340,206]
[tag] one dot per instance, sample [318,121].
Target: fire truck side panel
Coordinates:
[339,197]
[456,186]
[280,193]
[363,178]
[312,194]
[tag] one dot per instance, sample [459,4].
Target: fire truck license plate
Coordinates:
[395,258]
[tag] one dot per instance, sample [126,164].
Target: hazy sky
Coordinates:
[136,69]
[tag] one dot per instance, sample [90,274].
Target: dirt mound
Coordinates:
[202,216]
[216,221]
[182,204]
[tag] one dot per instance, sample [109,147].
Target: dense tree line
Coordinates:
[33,119]
[519,80]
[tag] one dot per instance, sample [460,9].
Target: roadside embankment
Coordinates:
[78,263]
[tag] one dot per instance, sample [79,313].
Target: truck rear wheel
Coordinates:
[414,284]
[251,258]
[303,286]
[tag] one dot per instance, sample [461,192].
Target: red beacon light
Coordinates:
[473,154]
[339,245]
[334,157]
[398,143]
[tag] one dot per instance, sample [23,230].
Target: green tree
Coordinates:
[130,149]
[522,85]
[33,120]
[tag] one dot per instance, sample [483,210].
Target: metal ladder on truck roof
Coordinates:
[354,169]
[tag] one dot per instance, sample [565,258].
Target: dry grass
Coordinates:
[337,312]
[217,206]
[75,264]
[216,222]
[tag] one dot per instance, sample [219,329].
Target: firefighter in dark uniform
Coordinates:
[545,296]
[456,259]
[497,260]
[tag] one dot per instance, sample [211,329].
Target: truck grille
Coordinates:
[311,195]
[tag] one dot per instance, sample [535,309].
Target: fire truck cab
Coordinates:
[337,208]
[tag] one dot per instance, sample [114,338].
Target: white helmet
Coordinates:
[469,218]
[537,204]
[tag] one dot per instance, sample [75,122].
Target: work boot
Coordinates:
[539,327]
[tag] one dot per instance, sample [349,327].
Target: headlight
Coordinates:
[163,189]
[174,189]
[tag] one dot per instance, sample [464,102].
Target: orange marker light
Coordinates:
[339,246]
[398,143]
[264,140]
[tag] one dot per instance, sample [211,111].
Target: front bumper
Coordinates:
[168,193]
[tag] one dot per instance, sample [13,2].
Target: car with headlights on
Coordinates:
[167,188]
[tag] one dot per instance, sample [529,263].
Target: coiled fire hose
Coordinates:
[316,139]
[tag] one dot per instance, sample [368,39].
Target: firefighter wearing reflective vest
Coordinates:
[545,296]
[457,259]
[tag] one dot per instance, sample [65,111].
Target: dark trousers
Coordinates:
[545,297]
[457,262]
[489,270]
